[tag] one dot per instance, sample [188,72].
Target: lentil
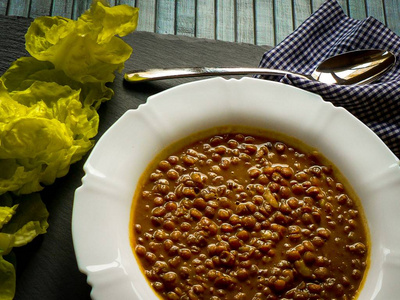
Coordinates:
[238,216]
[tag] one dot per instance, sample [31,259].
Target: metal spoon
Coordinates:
[354,67]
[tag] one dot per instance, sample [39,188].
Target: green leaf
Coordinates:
[49,129]
[87,49]
[49,102]
[7,280]
[48,114]
[104,22]
[7,242]
[29,221]
[6,214]
[26,70]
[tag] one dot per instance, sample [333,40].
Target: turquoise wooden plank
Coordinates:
[245,21]
[225,23]
[185,17]
[376,9]
[283,19]
[3,7]
[165,17]
[392,9]
[316,4]
[62,8]
[357,9]
[65,8]
[147,15]
[205,19]
[343,3]
[127,2]
[19,8]
[302,10]
[80,7]
[40,8]
[264,20]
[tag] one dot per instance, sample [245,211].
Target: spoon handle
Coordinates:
[155,74]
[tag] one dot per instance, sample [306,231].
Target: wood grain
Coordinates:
[205,19]
[376,9]
[40,8]
[260,22]
[345,5]
[357,9]
[245,29]
[283,19]
[3,7]
[62,8]
[19,8]
[147,15]
[225,22]
[165,17]
[265,22]
[186,17]
[80,7]
[392,10]
[315,4]
[127,2]
[302,10]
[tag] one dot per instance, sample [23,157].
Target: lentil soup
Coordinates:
[248,214]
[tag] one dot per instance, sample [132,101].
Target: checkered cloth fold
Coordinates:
[328,32]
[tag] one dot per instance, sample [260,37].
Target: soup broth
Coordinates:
[247,214]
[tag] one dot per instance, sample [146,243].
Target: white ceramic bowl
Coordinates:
[100,223]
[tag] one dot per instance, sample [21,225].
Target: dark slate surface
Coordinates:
[47,267]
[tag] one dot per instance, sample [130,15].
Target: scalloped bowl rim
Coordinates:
[101,212]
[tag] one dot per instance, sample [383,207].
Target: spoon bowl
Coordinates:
[354,67]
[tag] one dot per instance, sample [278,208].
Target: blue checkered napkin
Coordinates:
[329,32]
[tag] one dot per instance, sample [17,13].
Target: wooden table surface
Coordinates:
[259,22]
